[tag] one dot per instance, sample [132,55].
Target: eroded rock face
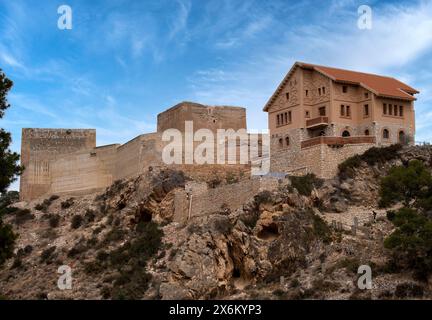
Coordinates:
[276,246]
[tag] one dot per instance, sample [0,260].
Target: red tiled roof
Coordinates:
[380,85]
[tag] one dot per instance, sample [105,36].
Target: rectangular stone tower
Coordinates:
[41,146]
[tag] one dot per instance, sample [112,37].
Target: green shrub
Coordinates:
[377,155]
[263,197]
[7,242]
[90,215]
[372,156]
[321,229]
[8,210]
[295,283]
[305,184]
[130,261]
[22,216]
[48,254]
[411,242]
[8,198]
[67,203]
[347,167]
[405,184]
[250,219]
[214,182]
[231,178]
[114,235]
[76,221]
[223,225]
[77,250]
[54,220]
[44,205]
[350,264]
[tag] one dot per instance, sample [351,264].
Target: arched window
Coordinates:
[280,142]
[366,133]
[346,133]
[287,141]
[386,134]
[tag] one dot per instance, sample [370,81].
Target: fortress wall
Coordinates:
[40,147]
[135,156]
[83,171]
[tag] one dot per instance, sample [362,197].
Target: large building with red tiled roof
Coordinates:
[318,116]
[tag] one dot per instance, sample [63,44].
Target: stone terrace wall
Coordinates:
[322,160]
[206,201]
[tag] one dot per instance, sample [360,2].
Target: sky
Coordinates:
[125,61]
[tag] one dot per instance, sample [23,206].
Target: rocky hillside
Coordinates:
[291,243]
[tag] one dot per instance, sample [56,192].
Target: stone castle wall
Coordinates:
[40,148]
[63,161]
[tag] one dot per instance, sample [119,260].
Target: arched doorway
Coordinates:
[402,137]
[346,134]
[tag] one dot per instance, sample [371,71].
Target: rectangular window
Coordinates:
[278,120]
[307,115]
[319,91]
[286,118]
[348,111]
[400,111]
[323,90]
[322,111]
[366,110]
[287,95]
[342,110]
[289,117]
[307,92]
[385,108]
[395,108]
[390,109]
[366,95]
[344,89]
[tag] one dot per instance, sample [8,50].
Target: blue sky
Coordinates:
[125,61]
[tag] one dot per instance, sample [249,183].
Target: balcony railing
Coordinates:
[337,140]
[317,122]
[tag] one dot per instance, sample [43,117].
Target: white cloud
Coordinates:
[179,23]
[9,60]
[400,35]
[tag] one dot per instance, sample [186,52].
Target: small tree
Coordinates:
[413,182]
[9,170]
[411,242]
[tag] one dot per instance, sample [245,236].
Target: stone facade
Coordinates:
[363,110]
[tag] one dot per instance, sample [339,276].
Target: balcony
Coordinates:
[317,122]
[337,141]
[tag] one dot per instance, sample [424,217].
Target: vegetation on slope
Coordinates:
[411,242]
[371,157]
